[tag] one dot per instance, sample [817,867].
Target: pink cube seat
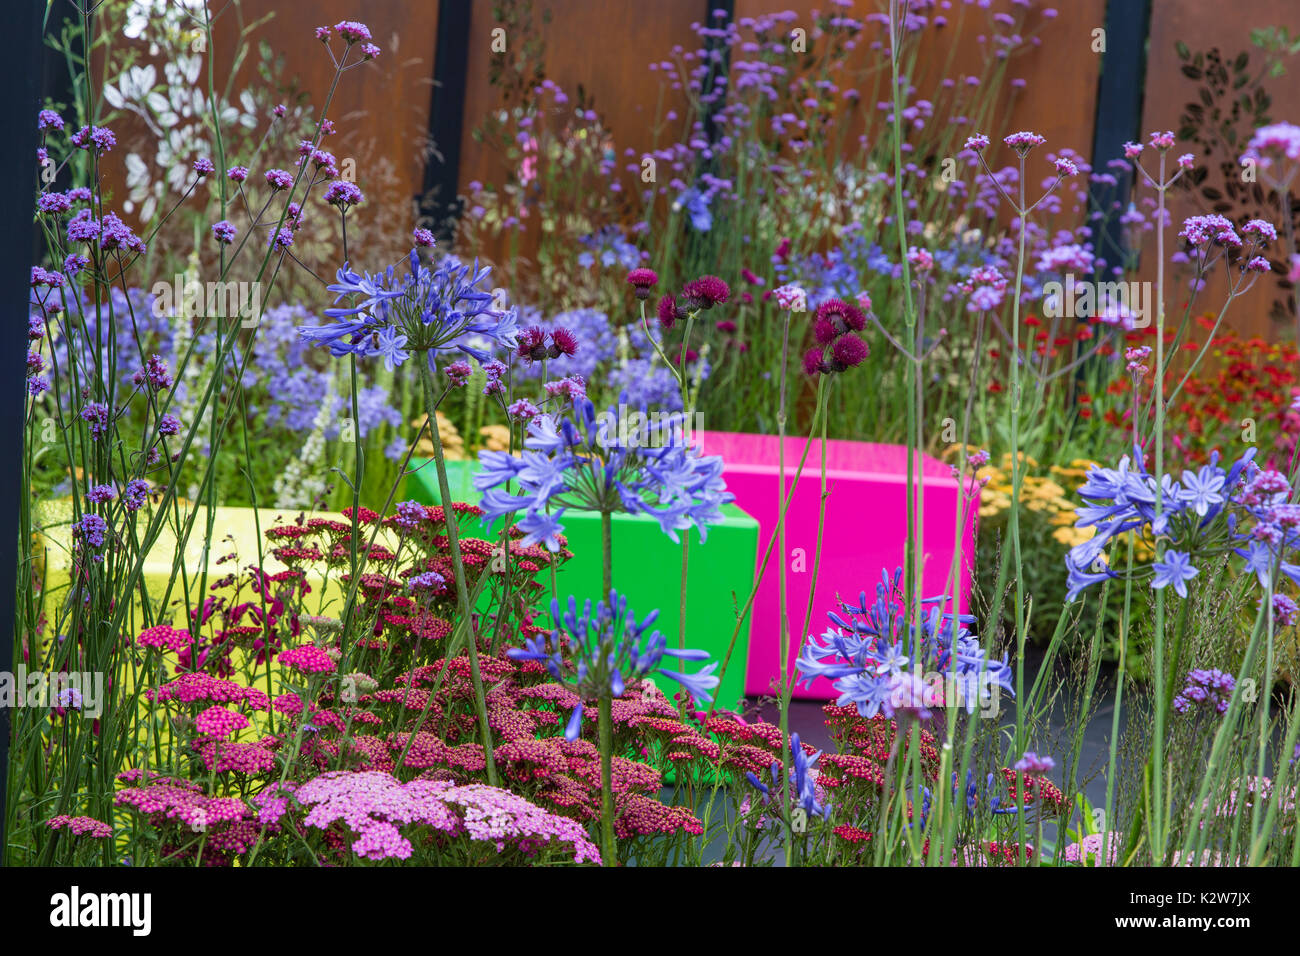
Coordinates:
[865,533]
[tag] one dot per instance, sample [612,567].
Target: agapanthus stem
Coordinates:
[605,728]
[457,566]
[606,554]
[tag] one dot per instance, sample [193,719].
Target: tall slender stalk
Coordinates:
[458,567]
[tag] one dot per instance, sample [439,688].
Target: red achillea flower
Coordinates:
[642,281]
[706,292]
[851,833]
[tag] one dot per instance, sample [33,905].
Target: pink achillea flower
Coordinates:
[288,704]
[191,688]
[374,804]
[1089,849]
[219,721]
[81,826]
[308,659]
[163,637]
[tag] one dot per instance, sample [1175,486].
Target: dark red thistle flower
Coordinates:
[726,325]
[706,292]
[532,344]
[812,362]
[849,351]
[642,280]
[563,342]
[669,312]
[834,317]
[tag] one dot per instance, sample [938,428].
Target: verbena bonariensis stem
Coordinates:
[458,568]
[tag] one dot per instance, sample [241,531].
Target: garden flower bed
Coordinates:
[357,535]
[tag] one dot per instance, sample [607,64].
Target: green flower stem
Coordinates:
[458,568]
[605,724]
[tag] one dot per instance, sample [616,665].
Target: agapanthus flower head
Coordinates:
[425,310]
[706,292]
[642,281]
[600,649]
[589,463]
[874,646]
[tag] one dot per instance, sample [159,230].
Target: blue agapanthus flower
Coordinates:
[423,310]
[883,663]
[804,791]
[600,650]
[615,462]
[1208,513]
